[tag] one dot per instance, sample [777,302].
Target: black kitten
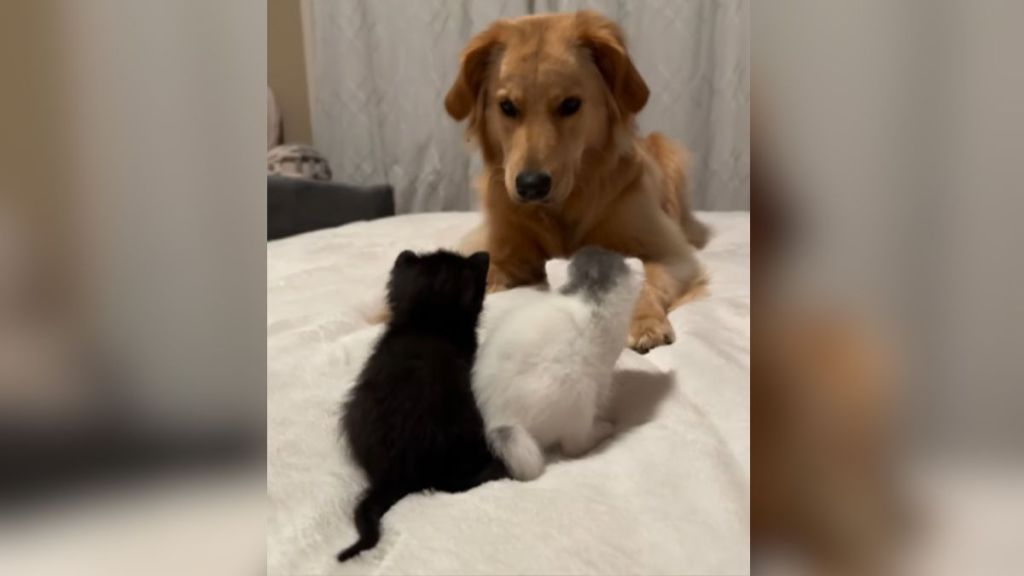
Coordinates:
[412,420]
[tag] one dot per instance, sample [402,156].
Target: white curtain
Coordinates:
[380,70]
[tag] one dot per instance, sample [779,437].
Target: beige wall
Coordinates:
[35,114]
[286,68]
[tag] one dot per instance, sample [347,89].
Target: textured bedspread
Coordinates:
[668,495]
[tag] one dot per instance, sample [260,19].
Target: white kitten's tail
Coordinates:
[518,450]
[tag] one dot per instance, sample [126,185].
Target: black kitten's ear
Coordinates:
[405,258]
[480,261]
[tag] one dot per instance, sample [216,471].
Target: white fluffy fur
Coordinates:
[671,496]
[543,370]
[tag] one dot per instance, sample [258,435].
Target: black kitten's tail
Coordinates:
[376,501]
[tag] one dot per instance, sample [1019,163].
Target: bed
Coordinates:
[667,495]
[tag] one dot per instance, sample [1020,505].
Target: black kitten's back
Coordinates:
[412,421]
[411,416]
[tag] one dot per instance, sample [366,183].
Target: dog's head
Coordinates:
[542,92]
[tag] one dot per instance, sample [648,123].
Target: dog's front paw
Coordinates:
[497,280]
[493,287]
[648,332]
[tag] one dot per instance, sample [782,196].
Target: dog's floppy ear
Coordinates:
[476,57]
[605,41]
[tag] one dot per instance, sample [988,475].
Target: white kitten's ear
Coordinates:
[557,272]
[636,269]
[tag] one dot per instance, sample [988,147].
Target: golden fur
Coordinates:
[609,186]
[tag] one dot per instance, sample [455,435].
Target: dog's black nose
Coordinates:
[532,185]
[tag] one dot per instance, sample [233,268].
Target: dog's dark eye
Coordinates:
[508,108]
[569,106]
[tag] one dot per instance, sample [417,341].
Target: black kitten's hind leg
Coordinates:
[495,470]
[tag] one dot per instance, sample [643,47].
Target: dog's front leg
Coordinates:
[650,327]
[511,270]
[664,284]
[513,261]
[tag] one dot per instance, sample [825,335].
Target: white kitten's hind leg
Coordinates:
[586,437]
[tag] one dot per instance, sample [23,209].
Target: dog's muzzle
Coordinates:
[532,185]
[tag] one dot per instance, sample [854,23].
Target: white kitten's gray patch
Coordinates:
[593,272]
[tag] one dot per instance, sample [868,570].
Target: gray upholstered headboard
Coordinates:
[295,205]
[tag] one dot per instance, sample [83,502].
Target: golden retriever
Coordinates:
[550,101]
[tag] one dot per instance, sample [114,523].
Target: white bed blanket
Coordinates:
[669,495]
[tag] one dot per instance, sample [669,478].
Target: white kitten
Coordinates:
[544,366]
